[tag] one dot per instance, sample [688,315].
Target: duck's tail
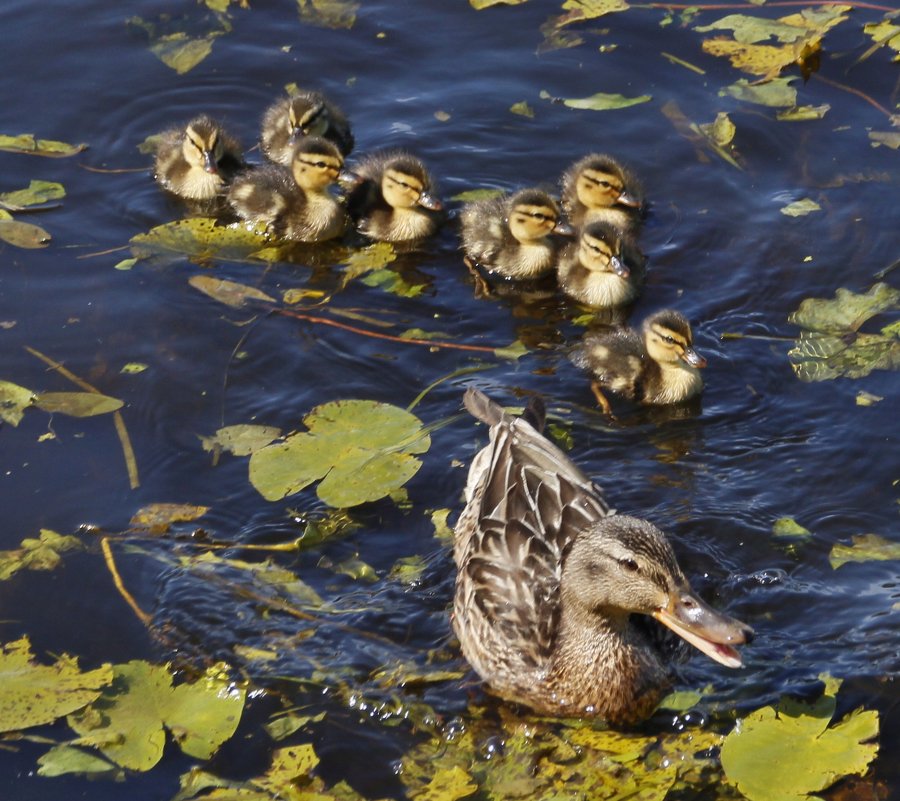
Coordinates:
[481,407]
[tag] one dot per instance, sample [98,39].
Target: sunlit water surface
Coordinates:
[439,78]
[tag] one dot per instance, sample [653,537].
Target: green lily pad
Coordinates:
[77,404]
[361,450]
[37,192]
[37,554]
[128,724]
[477,194]
[788,752]
[241,440]
[14,400]
[865,548]
[23,235]
[777,93]
[32,694]
[200,239]
[601,101]
[26,143]
[230,293]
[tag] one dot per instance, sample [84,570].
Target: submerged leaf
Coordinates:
[362,450]
[788,527]
[847,312]
[228,292]
[447,785]
[777,93]
[37,554]
[14,400]
[803,113]
[605,102]
[800,208]
[180,52]
[889,138]
[478,5]
[865,548]
[26,143]
[162,515]
[522,109]
[32,694]
[241,440]
[328,13]
[37,192]
[23,235]
[77,404]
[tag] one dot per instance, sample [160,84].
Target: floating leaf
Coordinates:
[602,101]
[32,694]
[228,292]
[14,400]
[514,351]
[201,239]
[477,194]
[241,440]
[867,399]
[847,312]
[721,131]
[777,93]
[77,404]
[65,759]
[23,235]
[393,282]
[885,34]
[787,753]
[37,192]
[37,554]
[128,724]
[180,52]
[373,257]
[408,570]
[478,5]
[125,264]
[865,548]
[522,109]
[285,725]
[134,368]
[800,208]
[441,529]
[578,10]
[26,143]
[362,450]
[162,515]
[889,138]
[788,527]
[354,567]
[803,113]
[447,785]
[333,14]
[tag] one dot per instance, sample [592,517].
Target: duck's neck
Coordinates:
[604,666]
[676,382]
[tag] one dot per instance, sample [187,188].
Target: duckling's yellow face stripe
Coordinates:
[533,220]
[596,188]
[598,253]
[672,343]
[401,189]
[203,151]
[316,169]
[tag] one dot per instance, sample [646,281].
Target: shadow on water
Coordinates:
[439,79]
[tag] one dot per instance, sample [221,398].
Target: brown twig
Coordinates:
[124,439]
[110,171]
[858,92]
[102,252]
[120,586]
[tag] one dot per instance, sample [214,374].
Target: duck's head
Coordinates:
[668,339]
[623,565]
[316,163]
[532,214]
[307,115]
[600,249]
[601,182]
[202,145]
[405,183]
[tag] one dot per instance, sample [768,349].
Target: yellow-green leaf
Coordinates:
[800,208]
[864,548]
[23,235]
[65,759]
[37,192]
[777,93]
[447,785]
[160,515]
[77,404]
[334,14]
[478,5]
[32,694]
[199,238]
[522,109]
[602,101]
[788,527]
[477,194]
[26,143]
[890,139]
[14,400]
[37,554]
[803,113]
[241,440]
[230,293]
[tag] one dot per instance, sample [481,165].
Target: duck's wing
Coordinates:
[531,503]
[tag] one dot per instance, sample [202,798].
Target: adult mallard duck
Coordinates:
[304,113]
[597,187]
[294,203]
[654,367]
[549,580]
[509,235]
[394,201]
[603,269]
[197,161]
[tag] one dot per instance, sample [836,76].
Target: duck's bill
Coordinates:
[619,267]
[430,202]
[693,358]
[209,163]
[706,629]
[626,199]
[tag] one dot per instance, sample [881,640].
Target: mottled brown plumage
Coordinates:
[304,113]
[599,188]
[549,577]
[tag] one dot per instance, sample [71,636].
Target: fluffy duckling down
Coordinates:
[599,188]
[305,113]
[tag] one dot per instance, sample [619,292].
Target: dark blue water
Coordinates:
[762,446]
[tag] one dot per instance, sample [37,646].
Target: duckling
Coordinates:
[658,366]
[197,161]
[509,235]
[597,187]
[603,269]
[550,582]
[394,200]
[304,113]
[294,203]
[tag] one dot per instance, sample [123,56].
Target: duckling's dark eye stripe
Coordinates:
[404,184]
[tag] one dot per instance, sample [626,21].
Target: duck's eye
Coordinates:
[669,340]
[321,165]
[629,564]
[542,217]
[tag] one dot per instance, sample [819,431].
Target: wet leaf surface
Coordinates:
[23,235]
[241,440]
[800,208]
[864,548]
[788,527]
[32,694]
[790,751]
[14,400]
[333,14]
[37,192]
[361,450]
[67,759]
[37,554]
[478,5]
[601,101]
[777,93]
[230,293]
[199,238]
[77,404]
[26,143]
[162,515]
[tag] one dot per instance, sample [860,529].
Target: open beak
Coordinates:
[628,200]
[209,163]
[706,629]
[693,358]
[619,267]
[429,202]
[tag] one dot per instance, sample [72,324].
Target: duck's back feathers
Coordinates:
[618,360]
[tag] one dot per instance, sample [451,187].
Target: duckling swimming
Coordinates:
[197,161]
[596,188]
[658,366]
[549,581]
[509,235]
[603,269]
[394,201]
[304,113]
[294,203]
